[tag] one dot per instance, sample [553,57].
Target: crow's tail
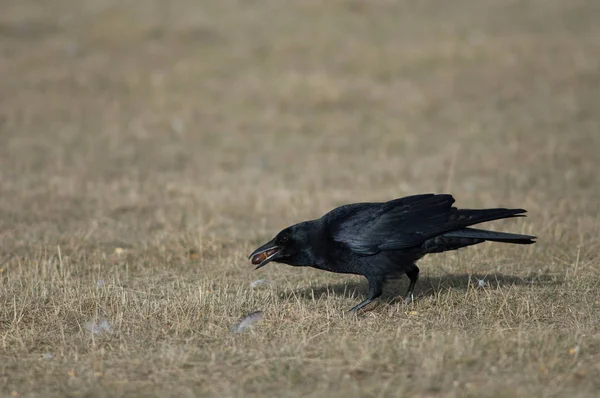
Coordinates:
[492,236]
[469,217]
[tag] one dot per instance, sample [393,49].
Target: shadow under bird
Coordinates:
[384,240]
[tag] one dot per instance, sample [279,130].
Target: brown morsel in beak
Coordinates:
[260,257]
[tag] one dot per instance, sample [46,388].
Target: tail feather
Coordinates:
[493,236]
[470,217]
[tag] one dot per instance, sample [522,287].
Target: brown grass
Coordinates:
[133,132]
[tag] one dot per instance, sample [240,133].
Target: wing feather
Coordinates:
[368,228]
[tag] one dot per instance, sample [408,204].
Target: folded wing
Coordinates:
[403,223]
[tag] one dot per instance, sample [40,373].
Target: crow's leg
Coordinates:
[375,290]
[413,276]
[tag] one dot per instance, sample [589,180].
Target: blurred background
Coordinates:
[164,128]
[184,114]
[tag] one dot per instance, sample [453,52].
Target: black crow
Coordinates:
[384,240]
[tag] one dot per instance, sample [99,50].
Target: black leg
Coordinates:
[413,276]
[375,290]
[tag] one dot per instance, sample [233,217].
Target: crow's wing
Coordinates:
[368,228]
[403,223]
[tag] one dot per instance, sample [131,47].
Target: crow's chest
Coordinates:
[339,261]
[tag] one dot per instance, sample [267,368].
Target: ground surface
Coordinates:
[148,146]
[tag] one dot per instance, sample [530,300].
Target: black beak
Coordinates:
[265,254]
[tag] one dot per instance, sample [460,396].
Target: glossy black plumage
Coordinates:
[385,239]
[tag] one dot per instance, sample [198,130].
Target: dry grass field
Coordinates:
[147,147]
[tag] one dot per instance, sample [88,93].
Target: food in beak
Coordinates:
[262,256]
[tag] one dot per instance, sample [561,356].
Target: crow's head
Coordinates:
[291,246]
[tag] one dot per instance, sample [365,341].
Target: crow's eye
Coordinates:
[284,239]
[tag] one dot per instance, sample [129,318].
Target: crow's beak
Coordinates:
[264,254]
